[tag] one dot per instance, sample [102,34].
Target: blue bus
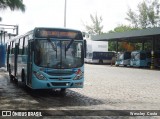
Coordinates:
[140,59]
[47,58]
[2,55]
[123,58]
[99,57]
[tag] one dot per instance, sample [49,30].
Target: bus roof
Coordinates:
[57,28]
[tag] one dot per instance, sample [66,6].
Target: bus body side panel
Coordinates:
[138,63]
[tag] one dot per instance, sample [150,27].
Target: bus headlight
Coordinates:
[79,75]
[40,76]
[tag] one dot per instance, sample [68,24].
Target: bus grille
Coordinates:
[61,78]
[60,84]
[61,73]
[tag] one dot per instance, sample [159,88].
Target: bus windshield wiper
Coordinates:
[52,44]
[54,47]
[69,44]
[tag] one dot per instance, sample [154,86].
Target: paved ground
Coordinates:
[106,88]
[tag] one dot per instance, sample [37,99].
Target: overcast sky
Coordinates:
[50,13]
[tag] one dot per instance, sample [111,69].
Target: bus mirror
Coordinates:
[83,34]
[85,48]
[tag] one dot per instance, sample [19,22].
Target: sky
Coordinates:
[50,13]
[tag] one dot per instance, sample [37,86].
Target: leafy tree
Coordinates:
[148,15]
[123,28]
[95,27]
[12,4]
[132,18]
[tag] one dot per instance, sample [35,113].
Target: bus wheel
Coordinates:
[16,80]
[22,76]
[10,75]
[63,91]
[101,61]
[11,78]
[9,70]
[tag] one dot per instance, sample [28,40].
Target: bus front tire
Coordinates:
[22,76]
[63,91]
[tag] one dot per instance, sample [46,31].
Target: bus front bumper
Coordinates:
[49,84]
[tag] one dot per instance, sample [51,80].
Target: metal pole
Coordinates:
[65,6]
[1,36]
[4,36]
[17,29]
[143,45]
[152,54]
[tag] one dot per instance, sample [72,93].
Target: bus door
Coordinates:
[29,63]
[8,52]
[15,59]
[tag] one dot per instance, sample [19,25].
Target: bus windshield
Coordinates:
[55,54]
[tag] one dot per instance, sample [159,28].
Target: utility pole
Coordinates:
[65,9]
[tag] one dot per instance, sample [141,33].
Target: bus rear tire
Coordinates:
[11,78]
[101,61]
[22,76]
[9,70]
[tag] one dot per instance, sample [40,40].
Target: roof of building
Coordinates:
[129,35]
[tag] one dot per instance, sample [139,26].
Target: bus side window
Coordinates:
[26,45]
[10,47]
[21,46]
[13,47]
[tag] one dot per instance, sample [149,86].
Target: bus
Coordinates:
[123,58]
[100,57]
[2,55]
[47,58]
[140,58]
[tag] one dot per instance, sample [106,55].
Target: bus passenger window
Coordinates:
[21,46]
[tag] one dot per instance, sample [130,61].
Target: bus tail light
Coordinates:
[79,75]
[39,76]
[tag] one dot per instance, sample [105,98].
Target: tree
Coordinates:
[148,15]
[132,18]
[12,4]
[123,28]
[95,27]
